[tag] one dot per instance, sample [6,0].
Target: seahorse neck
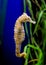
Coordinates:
[19,23]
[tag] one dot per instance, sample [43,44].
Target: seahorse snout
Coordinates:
[32,21]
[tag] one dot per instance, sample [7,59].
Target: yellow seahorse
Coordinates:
[19,33]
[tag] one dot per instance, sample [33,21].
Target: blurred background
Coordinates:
[10,10]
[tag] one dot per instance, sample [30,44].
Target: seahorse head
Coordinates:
[26,18]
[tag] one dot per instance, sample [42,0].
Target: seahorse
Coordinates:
[19,33]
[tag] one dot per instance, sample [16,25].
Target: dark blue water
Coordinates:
[10,10]
[13,10]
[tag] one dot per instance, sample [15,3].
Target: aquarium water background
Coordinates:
[10,10]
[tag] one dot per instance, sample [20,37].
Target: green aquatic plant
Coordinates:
[37,33]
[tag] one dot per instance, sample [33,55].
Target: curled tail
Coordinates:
[17,51]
